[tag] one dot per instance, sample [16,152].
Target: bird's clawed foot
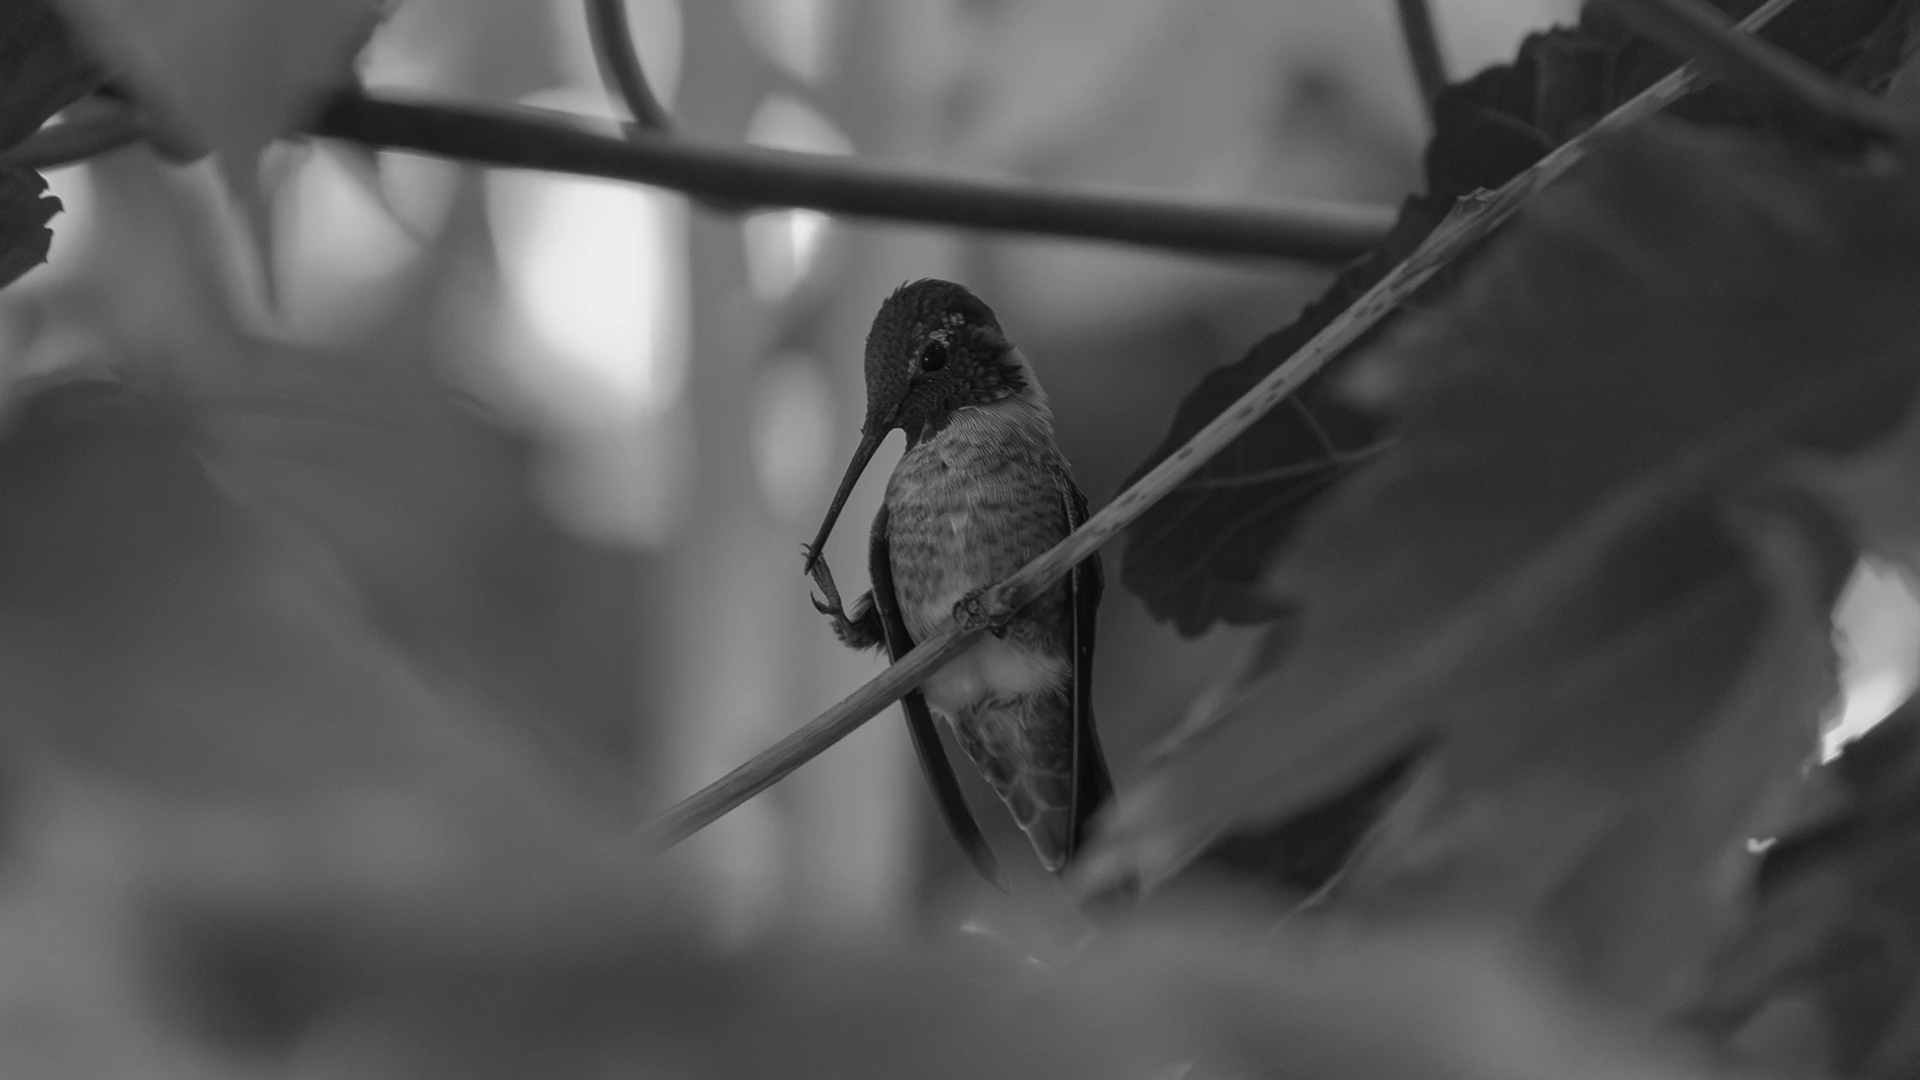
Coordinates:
[971,611]
[858,629]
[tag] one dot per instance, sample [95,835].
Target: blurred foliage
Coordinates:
[260,843]
[1198,557]
[1202,555]
[427,503]
[225,75]
[1596,560]
[297,669]
[40,73]
[1838,913]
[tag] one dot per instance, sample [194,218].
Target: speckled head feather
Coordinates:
[936,348]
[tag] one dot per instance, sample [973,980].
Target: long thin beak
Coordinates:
[869,442]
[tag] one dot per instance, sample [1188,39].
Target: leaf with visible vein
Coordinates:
[1197,557]
[1659,329]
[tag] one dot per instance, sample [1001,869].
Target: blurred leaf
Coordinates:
[25,209]
[227,75]
[251,842]
[174,293]
[266,842]
[1196,557]
[1839,913]
[378,469]
[429,504]
[664,1009]
[1302,855]
[229,723]
[1653,333]
[1605,795]
[1880,491]
[40,70]
[1325,999]
[229,800]
[1201,995]
[40,73]
[486,51]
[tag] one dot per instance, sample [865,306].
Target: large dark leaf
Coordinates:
[1196,557]
[40,73]
[1652,337]
[25,209]
[40,69]
[429,503]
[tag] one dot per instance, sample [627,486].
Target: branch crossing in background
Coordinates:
[619,58]
[749,176]
[1693,29]
[1423,49]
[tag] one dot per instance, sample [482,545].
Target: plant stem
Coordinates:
[1472,220]
[752,176]
[1701,33]
[620,62]
[1423,49]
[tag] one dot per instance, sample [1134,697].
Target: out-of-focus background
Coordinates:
[687,379]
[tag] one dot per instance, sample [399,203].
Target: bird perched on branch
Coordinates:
[981,490]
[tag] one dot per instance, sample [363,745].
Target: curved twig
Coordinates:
[1423,48]
[1472,221]
[620,62]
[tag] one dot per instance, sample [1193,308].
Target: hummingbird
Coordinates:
[981,490]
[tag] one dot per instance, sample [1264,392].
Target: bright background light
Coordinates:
[794,437]
[338,247]
[593,267]
[784,245]
[1877,630]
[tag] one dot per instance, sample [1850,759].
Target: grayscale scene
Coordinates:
[1002,539]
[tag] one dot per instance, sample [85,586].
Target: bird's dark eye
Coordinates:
[935,357]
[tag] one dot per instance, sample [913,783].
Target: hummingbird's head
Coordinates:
[934,350]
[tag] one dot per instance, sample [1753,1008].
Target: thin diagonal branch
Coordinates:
[1701,33]
[754,176]
[721,797]
[1423,48]
[620,63]
[1471,221]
